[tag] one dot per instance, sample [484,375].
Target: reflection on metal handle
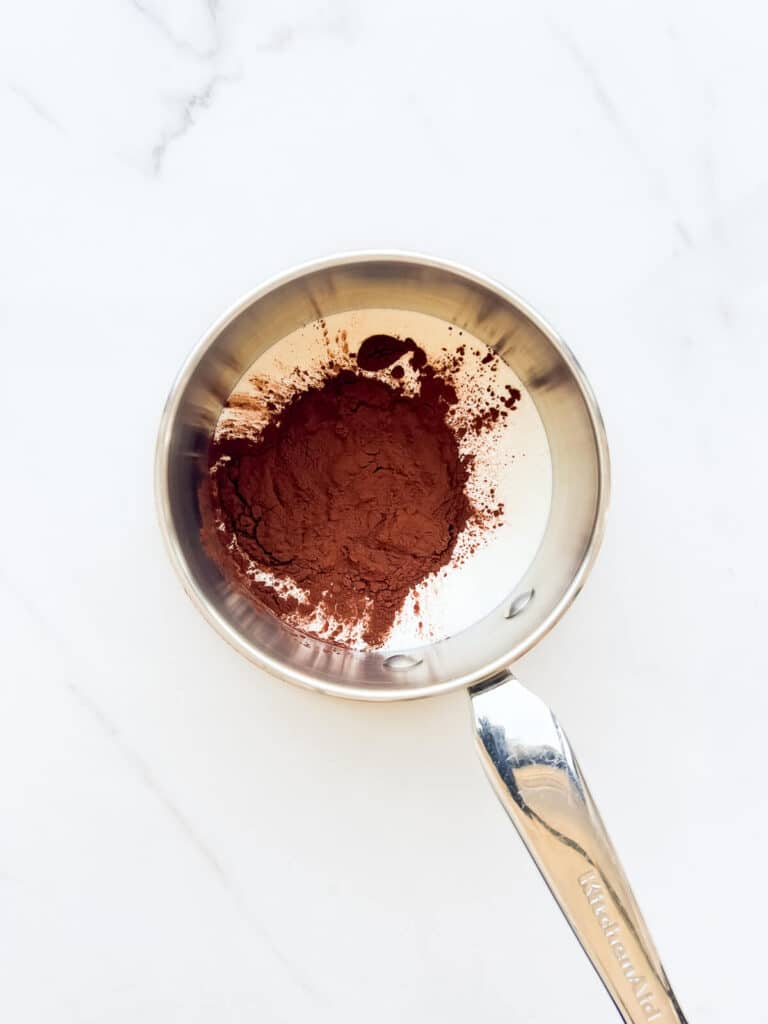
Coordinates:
[532,768]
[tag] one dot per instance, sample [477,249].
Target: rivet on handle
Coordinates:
[520,603]
[400,662]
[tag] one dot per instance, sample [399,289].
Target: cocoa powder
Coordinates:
[352,494]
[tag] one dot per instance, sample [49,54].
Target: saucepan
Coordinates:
[523,748]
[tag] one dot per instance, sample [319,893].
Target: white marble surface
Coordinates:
[183,839]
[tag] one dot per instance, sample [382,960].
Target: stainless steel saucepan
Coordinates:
[523,748]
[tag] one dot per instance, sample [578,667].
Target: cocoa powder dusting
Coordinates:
[352,494]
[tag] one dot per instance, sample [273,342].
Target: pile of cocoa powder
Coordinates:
[353,492]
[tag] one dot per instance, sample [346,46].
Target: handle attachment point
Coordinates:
[534,772]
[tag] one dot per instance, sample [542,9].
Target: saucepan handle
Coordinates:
[531,766]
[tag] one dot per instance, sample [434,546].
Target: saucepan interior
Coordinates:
[553,380]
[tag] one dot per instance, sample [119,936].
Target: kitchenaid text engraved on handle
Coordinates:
[532,768]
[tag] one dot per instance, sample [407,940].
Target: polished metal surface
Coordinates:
[531,766]
[575,434]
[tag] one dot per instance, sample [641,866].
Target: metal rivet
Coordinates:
[520,603]
[400,662]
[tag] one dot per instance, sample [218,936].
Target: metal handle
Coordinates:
[532,768]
